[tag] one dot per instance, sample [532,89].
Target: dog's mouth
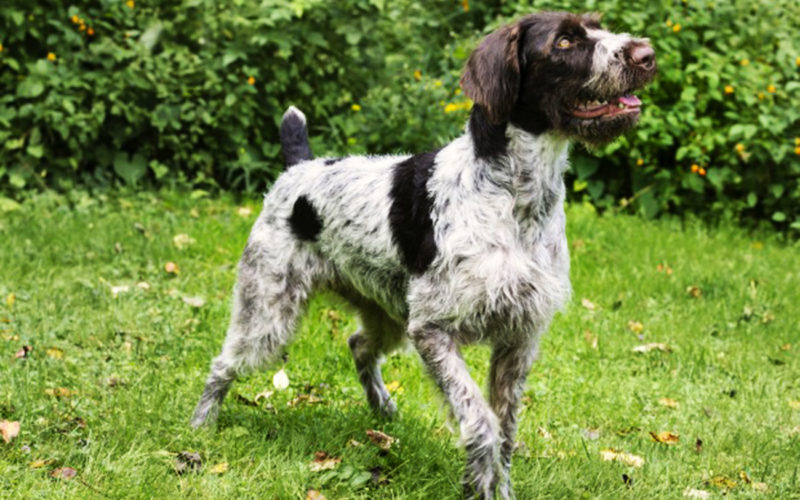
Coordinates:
[592,109]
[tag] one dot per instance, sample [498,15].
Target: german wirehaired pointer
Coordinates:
[458,245]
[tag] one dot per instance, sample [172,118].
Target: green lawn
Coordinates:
[111,381]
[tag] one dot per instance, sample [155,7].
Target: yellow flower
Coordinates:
[465,5]
[82,27]
[728,89]
[450,108]
[669,22]
[676,28]
[457,91]
[695,168]
[797,150]
[761,96]
[355,107]
[771,88]
[251,80]
[90,32]
[702,171]
[739,147]
[437,83]
[797,61]
[51,57]
[797,141]
[457,106]
[75,19]
[745,62]
[1,47]
[639,162]
[130,3]
[417,75]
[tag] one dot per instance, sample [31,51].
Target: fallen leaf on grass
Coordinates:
[795,405]
[380,439]
[693,493]
[352,443]
[280,380]
[63,473]
[10,299]
[635,326]
[591,338]
[668,402]
[60,392]
[587,304]
[38,464]
[786,347]
[23,352]
[196,302]
[760,487]
[143,285]
[182,241]
[612,455]
[664,268]
[694,291]
[723,483]
[263,395]
[9,430]
[117,290]
[219,468]
[665,437]
[187,461]
[544,433]
[171,268]
[304,398]
[323,461]
[591,434]
[394,387]
[55,352]
[314,495]
[244,211]
[653,346]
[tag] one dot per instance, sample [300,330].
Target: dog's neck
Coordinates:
[531,166]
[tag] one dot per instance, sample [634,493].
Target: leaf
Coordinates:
[130,168]
[591,339]
[612,455]
[323,461]
[219,468]
[244,212]
[665,437]
[653,346]
[668,402]
[55,352]
[38,464]
[635,326]
[795,405]
[23,352]
[63,473]
[723,483]
[171,268]
[280,380]
[60,392]
[694,291]
[182,240]
[394,387]
[587,304]
[9,430]
[693,493]
[196,302]
[314,495]
[10,299]
[380,439]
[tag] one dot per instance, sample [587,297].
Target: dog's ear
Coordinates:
[491,77]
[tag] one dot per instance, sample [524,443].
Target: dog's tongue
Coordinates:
[630,100]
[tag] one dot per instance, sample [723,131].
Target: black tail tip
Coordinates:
[294,137]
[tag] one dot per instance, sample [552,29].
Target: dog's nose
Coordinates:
[643,56]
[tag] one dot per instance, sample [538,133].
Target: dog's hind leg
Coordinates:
[378,335]
[271,290]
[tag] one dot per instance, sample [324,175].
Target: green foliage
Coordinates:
[192,91]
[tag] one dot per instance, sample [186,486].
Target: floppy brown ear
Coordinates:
[491,77]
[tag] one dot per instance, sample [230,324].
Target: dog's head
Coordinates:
[563,72]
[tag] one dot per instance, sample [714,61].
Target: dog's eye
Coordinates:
[564,43]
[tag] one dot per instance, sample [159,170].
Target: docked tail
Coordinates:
[294,137]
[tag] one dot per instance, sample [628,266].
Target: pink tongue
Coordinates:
[630,100]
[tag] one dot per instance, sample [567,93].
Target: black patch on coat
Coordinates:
[331,161]
[294,140]
[305,221]
[489,139]
[410,212]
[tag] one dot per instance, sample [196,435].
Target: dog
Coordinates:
[463,244]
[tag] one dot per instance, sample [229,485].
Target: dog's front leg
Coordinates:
[509,368]
[477,422]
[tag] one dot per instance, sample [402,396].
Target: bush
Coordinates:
[192,91]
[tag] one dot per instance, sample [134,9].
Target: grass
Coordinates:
[135,364]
